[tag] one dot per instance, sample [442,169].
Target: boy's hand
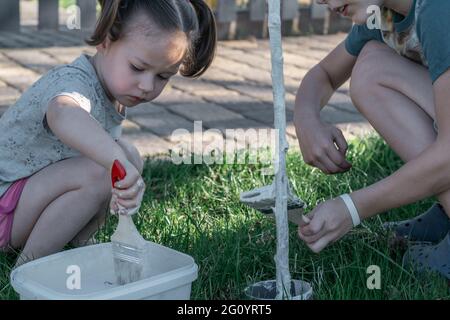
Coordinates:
[323,146]
[329,222]
[128,193]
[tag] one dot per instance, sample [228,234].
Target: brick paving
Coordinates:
[235,93]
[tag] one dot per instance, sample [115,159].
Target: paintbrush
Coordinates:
[263,200]
[127,244]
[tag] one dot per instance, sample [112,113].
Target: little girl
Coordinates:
[60,139]
[398,58]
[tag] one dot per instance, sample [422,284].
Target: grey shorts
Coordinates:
[435,126]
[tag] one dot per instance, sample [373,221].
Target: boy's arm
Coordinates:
[77,129]
[426,175]
[318,140]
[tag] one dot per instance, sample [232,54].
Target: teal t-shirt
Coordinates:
[422,36]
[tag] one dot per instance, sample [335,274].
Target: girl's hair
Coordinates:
[193,17]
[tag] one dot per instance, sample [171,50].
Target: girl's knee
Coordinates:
[132,154]
[135,159]
[97,180]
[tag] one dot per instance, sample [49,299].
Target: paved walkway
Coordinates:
[234,93]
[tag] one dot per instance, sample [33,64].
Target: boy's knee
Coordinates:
[360,84]
[371,57]
[367,71]
[373,46]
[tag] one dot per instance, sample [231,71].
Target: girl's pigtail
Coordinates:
[108,22]
[204,44]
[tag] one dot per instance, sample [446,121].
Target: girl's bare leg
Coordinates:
[56,203]
[396,97]
[66,201]
[85,236]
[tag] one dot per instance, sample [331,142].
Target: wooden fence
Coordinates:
[236,19]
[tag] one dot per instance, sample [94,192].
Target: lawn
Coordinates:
[195,209]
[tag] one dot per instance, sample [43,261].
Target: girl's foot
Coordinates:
[431,226]
[434,258]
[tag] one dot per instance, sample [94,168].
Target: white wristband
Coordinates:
[351,208]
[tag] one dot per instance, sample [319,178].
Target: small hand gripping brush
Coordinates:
[127,244]
[263,200]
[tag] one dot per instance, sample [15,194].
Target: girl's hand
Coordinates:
[330,221]
[317,143]
[127,194]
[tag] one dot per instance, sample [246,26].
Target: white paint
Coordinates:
[282,255]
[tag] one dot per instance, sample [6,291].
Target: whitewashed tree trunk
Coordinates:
[281,182]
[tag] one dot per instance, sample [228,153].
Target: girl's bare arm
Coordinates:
[77,129]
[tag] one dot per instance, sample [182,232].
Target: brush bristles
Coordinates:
[127,253]
[128,263]
[127,272]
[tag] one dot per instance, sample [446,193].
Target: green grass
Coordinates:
[195,209]
[67,3]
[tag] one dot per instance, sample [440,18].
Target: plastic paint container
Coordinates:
[169,276]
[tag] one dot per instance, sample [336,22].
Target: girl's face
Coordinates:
[354,9]
[137,67]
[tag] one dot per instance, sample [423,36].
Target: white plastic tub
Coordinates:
[169,276]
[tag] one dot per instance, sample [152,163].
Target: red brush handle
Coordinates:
[117,172]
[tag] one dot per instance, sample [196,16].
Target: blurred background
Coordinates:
[235,93]
[237,19]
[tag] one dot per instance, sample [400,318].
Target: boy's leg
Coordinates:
[396,96]
[56,203]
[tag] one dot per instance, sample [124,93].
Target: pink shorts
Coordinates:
[8,203]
